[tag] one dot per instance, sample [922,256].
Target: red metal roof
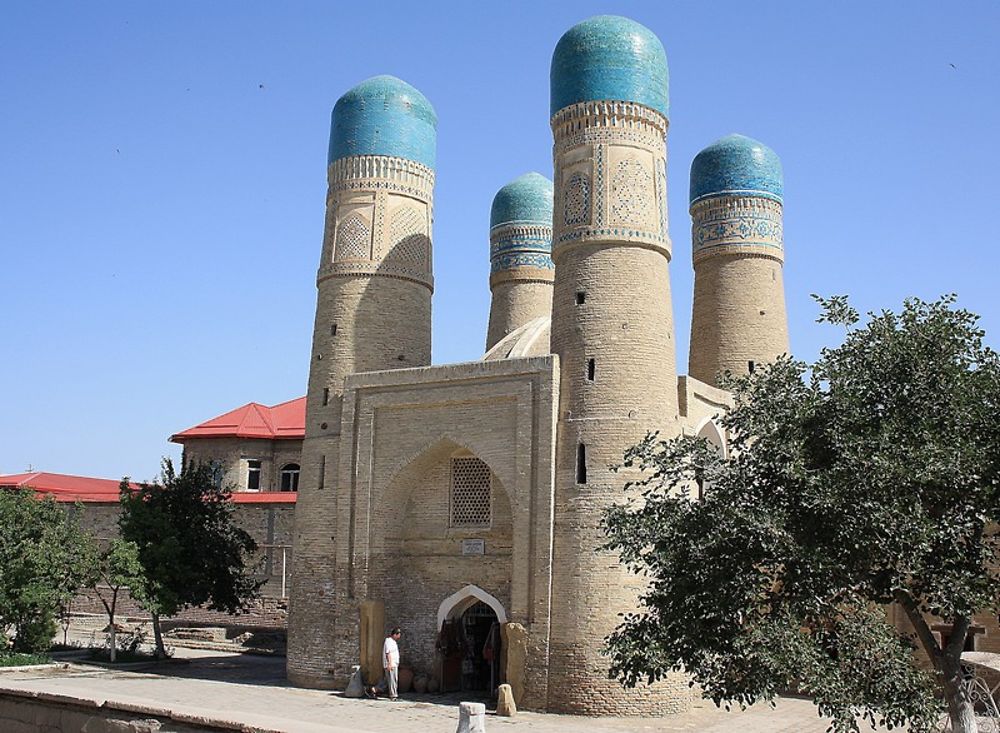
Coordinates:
[283,421]
[66,488]
[63,487]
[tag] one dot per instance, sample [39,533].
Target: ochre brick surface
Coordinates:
[515,302]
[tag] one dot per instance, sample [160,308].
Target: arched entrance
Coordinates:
[469,641]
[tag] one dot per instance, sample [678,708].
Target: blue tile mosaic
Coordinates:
[384,116]
[609,57]
[526,198]
[736,164]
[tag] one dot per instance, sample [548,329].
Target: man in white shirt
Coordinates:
[390,661]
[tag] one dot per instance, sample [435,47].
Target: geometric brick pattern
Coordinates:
[354,239]
[470,492]
[631,188]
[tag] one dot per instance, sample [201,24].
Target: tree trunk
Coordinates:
[960,708]
[161,653]
[947,662]
[111,615]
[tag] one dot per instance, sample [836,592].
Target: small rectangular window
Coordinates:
[333,330]
[253,475]
[326,395]
[750,367]
[290,477]
[322,472]
[591,369]
[581,463]
[581,298]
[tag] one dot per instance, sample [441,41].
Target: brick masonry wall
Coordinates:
[423,563]
[232,455]
[611,303]
[373,312]
[738,312]
[392,542]
[515,302]
[268,524]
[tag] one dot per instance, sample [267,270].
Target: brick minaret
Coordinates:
[612,328]
[373,312]
[521,269]
[738,318]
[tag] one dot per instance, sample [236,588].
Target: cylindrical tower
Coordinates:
[738,318]
[373,311]
[521,269]
[612,327]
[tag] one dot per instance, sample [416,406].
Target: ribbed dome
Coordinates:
[609,57]
[527,198]
[736,164]
[384,116]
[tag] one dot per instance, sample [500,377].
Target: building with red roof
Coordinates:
[257,448]
[68,489]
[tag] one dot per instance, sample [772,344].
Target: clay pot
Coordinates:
[405,679]
[420,683]
[433,685]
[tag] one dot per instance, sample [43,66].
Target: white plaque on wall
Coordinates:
[473,547]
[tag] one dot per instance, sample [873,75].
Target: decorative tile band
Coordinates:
[381,269]
[381,172]
[379,212]
[737,224]
[527,244]
[538,261]
[610,186]
[607,113]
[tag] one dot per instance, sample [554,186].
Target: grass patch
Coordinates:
[19,659]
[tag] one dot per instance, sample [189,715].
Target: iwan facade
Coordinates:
[461,500]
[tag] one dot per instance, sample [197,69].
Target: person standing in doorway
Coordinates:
[390,662]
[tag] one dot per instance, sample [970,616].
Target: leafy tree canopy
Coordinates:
[191,550]
[43,560]
[864,485]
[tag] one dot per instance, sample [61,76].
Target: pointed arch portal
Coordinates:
[457,603]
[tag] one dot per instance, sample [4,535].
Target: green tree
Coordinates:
[42,562]
[190,550]
[112,570]
[870,478]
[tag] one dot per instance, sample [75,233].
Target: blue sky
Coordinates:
[162,181]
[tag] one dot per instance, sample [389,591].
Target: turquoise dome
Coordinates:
[609,57]
[736,164]
[384,116]
[527,198]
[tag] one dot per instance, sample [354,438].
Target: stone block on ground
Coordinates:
[505,701]
[356,687]
[471,717]
[514,654]
[372,637]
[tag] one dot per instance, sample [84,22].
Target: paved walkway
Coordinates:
[253,691]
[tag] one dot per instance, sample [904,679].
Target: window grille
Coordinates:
[470,492]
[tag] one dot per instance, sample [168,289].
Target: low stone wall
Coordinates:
[42,712]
